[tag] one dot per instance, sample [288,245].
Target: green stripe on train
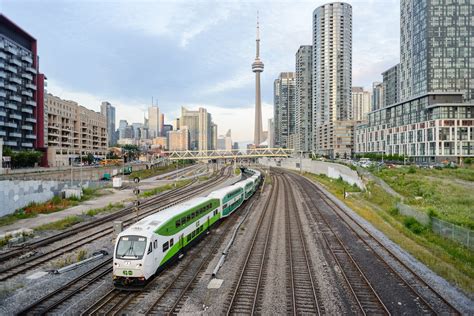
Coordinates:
[177,246]
[170,228]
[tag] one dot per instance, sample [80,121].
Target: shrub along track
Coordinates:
[170,297]
[94,231]
[379,281]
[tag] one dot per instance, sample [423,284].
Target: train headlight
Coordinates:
[139,265]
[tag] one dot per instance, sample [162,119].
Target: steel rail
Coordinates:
[272,198]
[337,210]
[302,280]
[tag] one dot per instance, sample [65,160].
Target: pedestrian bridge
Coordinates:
[229,154]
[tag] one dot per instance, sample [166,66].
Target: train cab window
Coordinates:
[150,248]
[225,206]
[165,246]
[155,244]
[178,223]
[171,242]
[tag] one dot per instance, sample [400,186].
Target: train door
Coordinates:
[208,223]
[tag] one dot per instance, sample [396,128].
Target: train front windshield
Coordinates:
[131,248]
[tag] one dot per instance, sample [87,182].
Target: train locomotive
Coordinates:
[146,247]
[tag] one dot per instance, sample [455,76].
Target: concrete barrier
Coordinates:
[15,194]
[332,170]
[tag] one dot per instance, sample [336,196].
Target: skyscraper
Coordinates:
[430,123]
[303,96]
[257,68]
[107,110]
[154,121]
[378,99]
[332,75]
[436,48]
[391,85]
[360,103]
[200,126]
[284,108]
[22,113]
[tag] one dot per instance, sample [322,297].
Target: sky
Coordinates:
[189,53]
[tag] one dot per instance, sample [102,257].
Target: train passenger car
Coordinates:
[147,246]
[230,199]
[248,186]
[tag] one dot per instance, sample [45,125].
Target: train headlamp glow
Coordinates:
[139,265]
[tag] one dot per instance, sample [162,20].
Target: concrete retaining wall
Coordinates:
[15,194]
[331,170]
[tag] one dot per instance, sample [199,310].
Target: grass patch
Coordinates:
[106,209]
[447,258]
[61,224]
[55,204]
[446,193]
[165,187]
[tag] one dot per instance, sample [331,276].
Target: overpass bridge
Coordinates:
[228,154]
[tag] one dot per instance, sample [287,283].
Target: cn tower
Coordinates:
[257,68]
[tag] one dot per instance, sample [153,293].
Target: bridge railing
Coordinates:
[229,154]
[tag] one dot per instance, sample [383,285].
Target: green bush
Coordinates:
[412,224]
[468,161]
[412,170]
[23,159]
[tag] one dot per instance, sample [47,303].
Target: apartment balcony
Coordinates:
[3,133]
[2,85]
[15,80]
[12,50]
[27,127]
[30,102]
[27,76]
[52,141]
[3,94]
[53,132]
[31,69]
[27,93]
[30,136]
[11,69]
[15,117]
[30,119]
[18,135]
[26,110]
[28,59]
[3,75]
[15,61]
[31,86]
[3,55]
[11,87]
[3,113]
[10,143]
[15,98]
[29,145]
[11,106]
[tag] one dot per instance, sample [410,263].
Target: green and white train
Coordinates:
[146,247]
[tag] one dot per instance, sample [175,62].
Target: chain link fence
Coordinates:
[454,232]
[449,230]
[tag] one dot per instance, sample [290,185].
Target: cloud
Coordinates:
[189,52]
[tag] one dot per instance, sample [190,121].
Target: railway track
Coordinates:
[32,262]
[18,251]
[428,299]
[54,299]
[172,296]
[65,293]
[245,296]
[303,291]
